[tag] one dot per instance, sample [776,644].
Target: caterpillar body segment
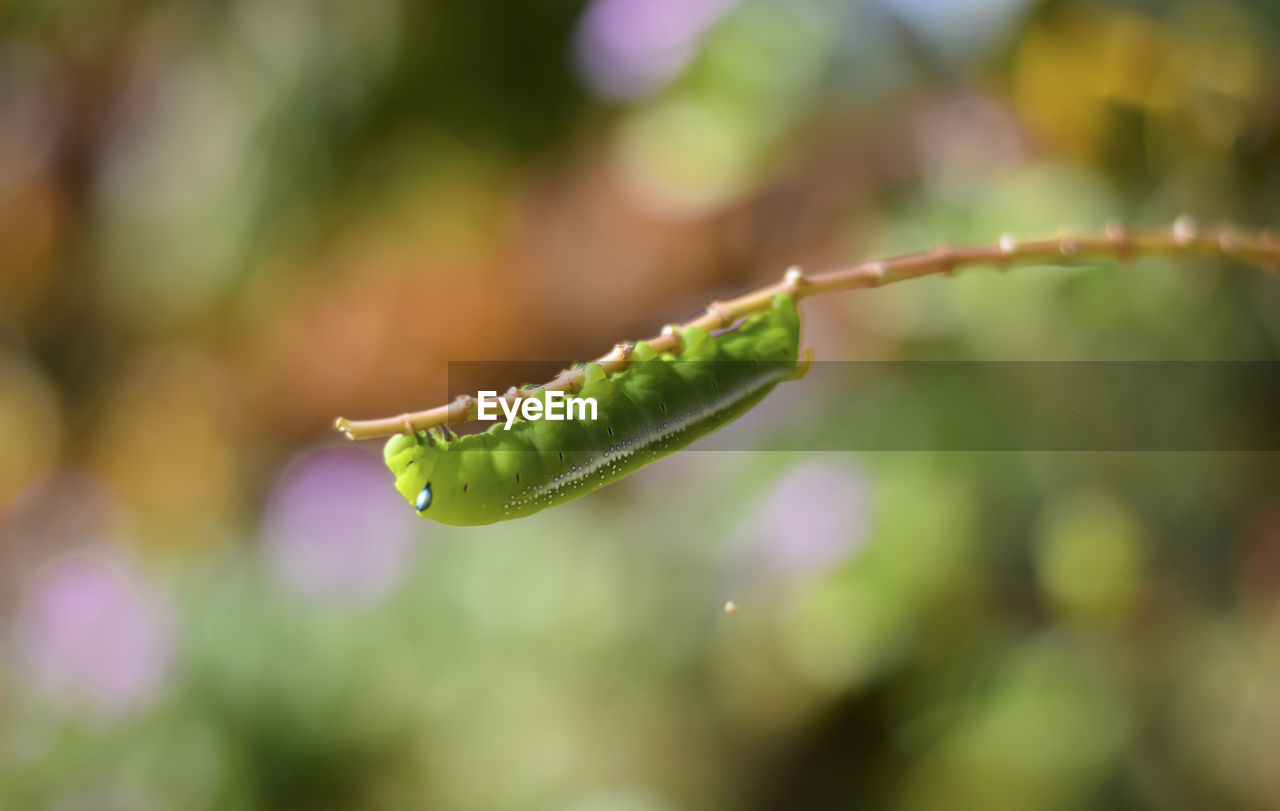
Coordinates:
[658,404]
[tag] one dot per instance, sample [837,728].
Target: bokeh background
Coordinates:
[224,223]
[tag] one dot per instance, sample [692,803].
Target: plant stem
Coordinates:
[1181,240]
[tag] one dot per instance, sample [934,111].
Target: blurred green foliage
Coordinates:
[224,223]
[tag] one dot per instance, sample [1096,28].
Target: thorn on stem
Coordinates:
[876,273]
[1118,234]
[1067,246]
[462,405]
[1184,230]
[1227,241]
[794,279]
[1008,246]
[673,330]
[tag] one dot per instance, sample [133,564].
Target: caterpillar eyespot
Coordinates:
[658,404]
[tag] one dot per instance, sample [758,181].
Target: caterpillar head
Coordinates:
[422,467]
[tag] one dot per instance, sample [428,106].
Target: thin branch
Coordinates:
[1182,240]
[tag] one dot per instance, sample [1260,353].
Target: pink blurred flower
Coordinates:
[336,529]
[630,48]
[816,515]
[91,630]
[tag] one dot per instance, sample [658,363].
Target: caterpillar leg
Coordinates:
[806,360]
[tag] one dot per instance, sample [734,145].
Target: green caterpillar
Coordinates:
[658,404]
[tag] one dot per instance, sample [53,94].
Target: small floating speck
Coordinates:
[731,607]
